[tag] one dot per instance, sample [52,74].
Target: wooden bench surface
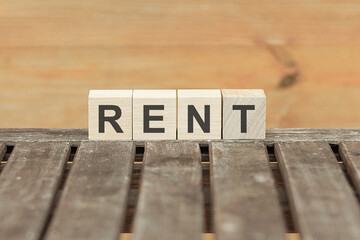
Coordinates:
[296,184]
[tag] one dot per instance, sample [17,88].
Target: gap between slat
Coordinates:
[336,150]
[134,190]
[60,188]
[281,190]
[136,182]
[5,158]
[205,165]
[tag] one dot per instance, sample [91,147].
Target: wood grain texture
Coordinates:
[114,98]
[199,100]
[159,22]
[92,205]
[273,135]
[64,75]
[28,184]
[237,103]
[53,52]
[166,116]
[350,154]
[59,78]
[321,199]
[244,195]
[170,203]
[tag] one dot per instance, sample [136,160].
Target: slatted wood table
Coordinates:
[296,184]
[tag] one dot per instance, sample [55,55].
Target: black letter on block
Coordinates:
[243,109]
[111,120]
[192,113]
[148,118]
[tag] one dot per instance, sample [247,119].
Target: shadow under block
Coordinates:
[199,114]
[110,114]
[244,113]
[154,115]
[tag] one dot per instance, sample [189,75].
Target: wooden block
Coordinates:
[199,114]
[244,113]
[154,114]
[110,115]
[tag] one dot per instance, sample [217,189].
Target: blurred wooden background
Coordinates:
[305,54]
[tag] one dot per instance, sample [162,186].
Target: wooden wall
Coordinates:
[305,54]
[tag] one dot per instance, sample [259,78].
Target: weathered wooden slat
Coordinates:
[244,194]
[2,150]
[350,153]
[28,184]
[273,135]
[331,135]
[170,203]
[14,135]
[323,204]
[93,203]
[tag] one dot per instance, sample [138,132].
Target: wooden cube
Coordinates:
[244,113]
[110,115]
[199,114]
[154,114]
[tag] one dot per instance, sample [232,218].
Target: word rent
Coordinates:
[177,114]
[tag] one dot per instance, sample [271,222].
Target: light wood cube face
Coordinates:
[154,115]
[199,114]
[110,114]
[244,113]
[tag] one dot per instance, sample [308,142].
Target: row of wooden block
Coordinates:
[177,114]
